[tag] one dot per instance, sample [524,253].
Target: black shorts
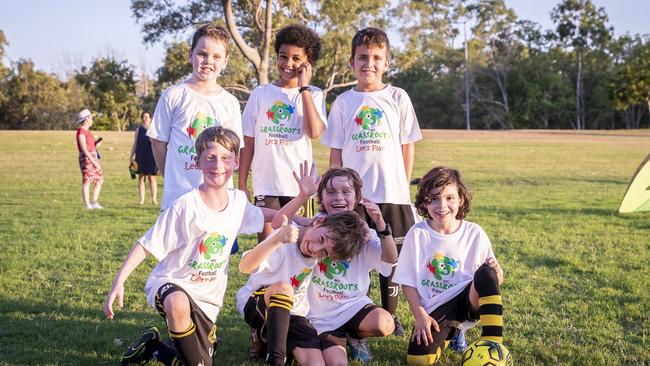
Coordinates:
[337,337]
[301,333]
[400,217]
[449,316]
[274,202]
[206,330]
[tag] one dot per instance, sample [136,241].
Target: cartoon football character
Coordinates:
[368,118]
[442,266]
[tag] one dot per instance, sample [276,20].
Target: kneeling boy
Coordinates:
[274,300]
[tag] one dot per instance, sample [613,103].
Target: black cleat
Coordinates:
[140,352]
[399,329]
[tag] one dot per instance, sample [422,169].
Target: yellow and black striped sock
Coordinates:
[490,304]
[187,344]
[278,316]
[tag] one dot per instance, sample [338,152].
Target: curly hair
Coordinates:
[370,37]
[216,32]
[221,135]
[299,36]
[436,180]
[348,233]
[326,182]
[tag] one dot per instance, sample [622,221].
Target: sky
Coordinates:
[65,35]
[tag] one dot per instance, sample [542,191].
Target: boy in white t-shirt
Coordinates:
[372,129]
[340,309]
[280,119]
[447,269]
[186,109]
[274,300]
[191,240]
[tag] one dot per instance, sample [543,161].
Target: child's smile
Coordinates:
[443,208]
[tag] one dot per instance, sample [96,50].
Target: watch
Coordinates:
[386,232]
[303,88]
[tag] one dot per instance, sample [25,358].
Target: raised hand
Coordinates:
[287,233]
[304,74]
[308,181]
[375,214]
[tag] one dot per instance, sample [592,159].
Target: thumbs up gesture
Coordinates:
[287,233]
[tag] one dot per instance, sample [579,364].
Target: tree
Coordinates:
[631,85]
[35,100]
[581,27]
[111,87]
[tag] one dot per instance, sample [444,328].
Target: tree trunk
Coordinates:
[579,117]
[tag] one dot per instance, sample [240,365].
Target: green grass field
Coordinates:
[577,273]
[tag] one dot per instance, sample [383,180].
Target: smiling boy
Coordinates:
[372,129]
[191,240]
[186,109]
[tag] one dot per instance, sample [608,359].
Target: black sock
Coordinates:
[486,284]
[278,315]
[187,345]
[167,355]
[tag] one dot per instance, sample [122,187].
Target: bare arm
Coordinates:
[408,154]
[254,257]
[131,262]
[135,144]
[336,160]
[245,160]
[423,322]
[84,150]
[388,248]
[312,122]
[159,149]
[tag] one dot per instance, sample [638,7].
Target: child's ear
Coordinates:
[236,163]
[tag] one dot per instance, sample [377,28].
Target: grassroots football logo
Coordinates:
[199,124]
[330,268]
[368,118]
[297,280]
[279,113]
[212,245]
[442,266]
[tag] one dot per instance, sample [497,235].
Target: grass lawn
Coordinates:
[577,273]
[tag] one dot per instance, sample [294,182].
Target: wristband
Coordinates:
[303,88]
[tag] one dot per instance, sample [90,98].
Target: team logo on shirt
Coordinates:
[199,124]
[298,279]
[441,266]
[212,245]
[279,113]
[330,268]
[368,118]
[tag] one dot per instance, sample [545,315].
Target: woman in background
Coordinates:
[141,152]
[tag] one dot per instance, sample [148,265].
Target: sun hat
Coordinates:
[83,115]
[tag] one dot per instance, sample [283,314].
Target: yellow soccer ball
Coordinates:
[486,353]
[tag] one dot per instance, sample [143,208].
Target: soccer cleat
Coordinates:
[399,329]
[359,350]
[140,352]
[458,343]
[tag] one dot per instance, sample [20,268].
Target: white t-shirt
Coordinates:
[285,264]
[180,116]
[370,129]
[192,243]
[274,117]
[338,290]
[441,266]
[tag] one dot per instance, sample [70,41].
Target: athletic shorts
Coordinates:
[206,330]
[337,337]
[301,333]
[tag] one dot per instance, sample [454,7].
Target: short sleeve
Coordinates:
[253,220]
[334,135]
[249,116]
[166,235]
[161,123]
[407,262]
[409,127]
[234,121]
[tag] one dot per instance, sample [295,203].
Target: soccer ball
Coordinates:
[486,353]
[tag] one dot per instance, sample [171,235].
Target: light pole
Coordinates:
[467,106]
